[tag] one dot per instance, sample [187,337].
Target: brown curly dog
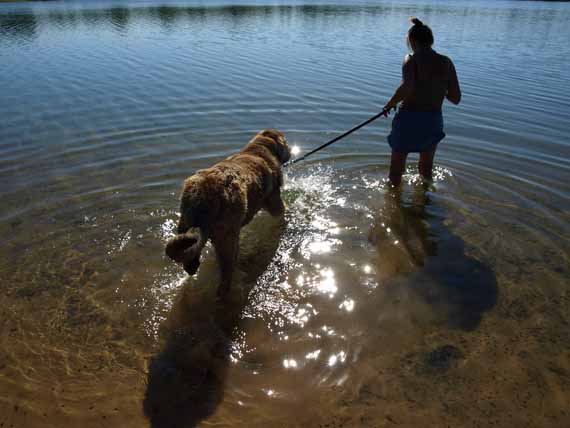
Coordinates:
[216,202]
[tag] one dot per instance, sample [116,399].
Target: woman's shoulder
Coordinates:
[444,58]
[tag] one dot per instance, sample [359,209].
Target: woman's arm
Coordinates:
[406,86]
[453,90]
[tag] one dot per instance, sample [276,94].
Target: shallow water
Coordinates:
[443,304]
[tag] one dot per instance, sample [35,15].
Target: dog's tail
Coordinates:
[195,250]
[187,246]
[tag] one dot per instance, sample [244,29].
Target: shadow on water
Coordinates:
[186,378]
[439,270]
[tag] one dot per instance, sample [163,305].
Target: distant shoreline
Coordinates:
[23,1]
[28,1]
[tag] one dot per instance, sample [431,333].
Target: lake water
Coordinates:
[440,305]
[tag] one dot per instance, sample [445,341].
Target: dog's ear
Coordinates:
[282,150]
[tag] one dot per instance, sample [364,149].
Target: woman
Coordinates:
[427,78]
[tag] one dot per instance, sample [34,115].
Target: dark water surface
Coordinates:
[440,305]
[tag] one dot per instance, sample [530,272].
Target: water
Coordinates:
[440,305]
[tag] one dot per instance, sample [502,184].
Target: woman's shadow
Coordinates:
[413,234]
[186,379]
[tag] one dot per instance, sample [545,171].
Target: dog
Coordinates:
[217,202]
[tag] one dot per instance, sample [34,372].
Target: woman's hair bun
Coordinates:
[416,21]
[419,33]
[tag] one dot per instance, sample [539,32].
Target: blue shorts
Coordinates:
[416,131]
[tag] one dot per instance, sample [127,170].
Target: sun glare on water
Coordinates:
[295,150]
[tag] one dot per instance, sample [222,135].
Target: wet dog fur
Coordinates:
[217,202]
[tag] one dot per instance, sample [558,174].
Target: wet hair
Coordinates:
[419,33]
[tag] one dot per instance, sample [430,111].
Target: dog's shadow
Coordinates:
[186,379]
[458,286]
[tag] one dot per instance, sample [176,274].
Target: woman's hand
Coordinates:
[390,105]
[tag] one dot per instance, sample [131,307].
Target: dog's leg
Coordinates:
[274,205]
[226,243]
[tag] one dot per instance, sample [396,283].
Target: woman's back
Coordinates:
[432,75]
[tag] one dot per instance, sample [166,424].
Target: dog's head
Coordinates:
[276,142]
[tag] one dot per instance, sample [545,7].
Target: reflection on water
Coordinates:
[120,17]
[19,21]
[20,27]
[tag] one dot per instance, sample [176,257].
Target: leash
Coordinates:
[334,140]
